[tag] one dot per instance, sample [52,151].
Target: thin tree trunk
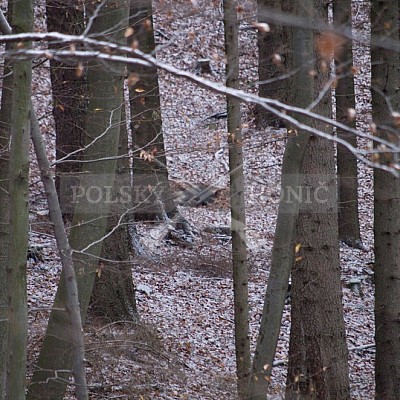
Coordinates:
[385,99]
[281,263]
[5,124]
[89,223]
[237,188]
[71,287]
[349,226]
[146,124]
[22,21]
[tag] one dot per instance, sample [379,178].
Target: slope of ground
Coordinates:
[184,346]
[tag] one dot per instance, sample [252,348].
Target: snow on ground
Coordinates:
[184,345]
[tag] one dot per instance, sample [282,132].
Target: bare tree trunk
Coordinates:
[89,223]
[113,296]
[281,263]
[146,124]
[69,89]
[71,287]
[5,125]
[22,21]
[385,101]
[62,243]
[349,226]
[237,188]
[317,353]
[271,62]
[318,366]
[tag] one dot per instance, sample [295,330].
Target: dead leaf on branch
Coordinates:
[329,45]
[148,156]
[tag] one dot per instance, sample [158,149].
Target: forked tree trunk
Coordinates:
[116,298]
[22,21]
[385,79]
[281,263]
[90,220]
[349,226]
[237,191]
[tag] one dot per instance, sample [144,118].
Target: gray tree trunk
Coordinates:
[90,221]
[64,249]
[271,62]
[116,298]
[22,21]
[349,226]
[146,123]
[385,99]
[69,90]
[318,367]
[237,190]
[281,263]
[113,298]
[5,125]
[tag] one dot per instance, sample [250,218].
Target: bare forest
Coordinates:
[199,199]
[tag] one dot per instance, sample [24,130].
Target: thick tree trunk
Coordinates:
[318,366]
[317,354]
[90,220]
[113,297]
[70,101]
[349,226]
[22,21]
[68,88]
[237,190]
[271,63]
[385,78]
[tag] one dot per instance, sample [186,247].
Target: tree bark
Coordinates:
[71,287]
[22,21]
[69,89]
[89,223]
[113,297]
[146,125]
[281,263]
[5,125]
[317,353]
[271,63]
[349,226]
[237,190]
[385,98]
[318,366]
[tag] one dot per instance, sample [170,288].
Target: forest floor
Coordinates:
[183,347]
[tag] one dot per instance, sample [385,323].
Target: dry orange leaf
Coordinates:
[329,45]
